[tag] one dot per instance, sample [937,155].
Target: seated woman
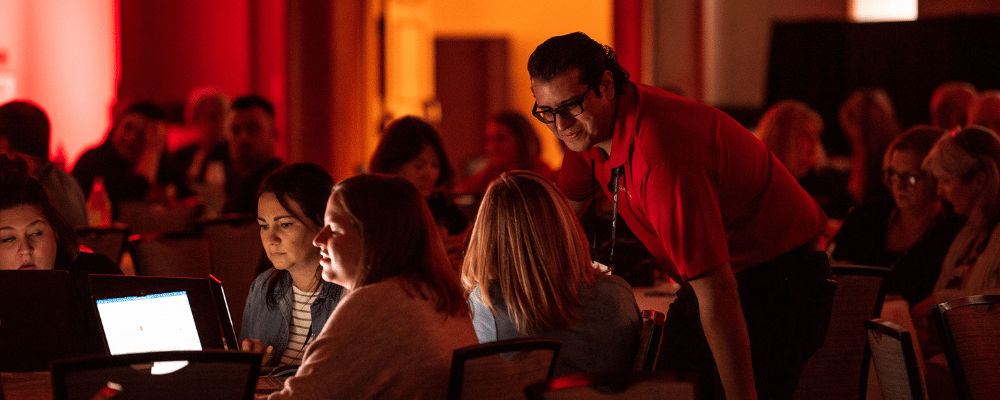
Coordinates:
[412,149]
[33,235]
[511,144]
[132,160]
[393,335]
[909,232]
[965,164]
[289,303]
[530,270]
[791,130]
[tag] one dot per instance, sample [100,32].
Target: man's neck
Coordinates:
[606,144]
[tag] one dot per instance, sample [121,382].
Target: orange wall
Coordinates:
[526,24]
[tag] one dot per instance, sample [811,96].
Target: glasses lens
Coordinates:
[546,117]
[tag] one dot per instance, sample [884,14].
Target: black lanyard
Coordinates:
[616,174]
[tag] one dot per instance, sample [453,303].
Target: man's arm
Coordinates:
[726,330]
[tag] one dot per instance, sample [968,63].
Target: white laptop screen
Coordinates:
[154,322]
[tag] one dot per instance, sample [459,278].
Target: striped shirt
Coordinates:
[298,326]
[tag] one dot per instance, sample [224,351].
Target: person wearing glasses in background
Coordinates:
[718,211]
[909,232]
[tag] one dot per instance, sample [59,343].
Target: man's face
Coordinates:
[253,135]
[594,126]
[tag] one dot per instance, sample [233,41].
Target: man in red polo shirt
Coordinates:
[716,209]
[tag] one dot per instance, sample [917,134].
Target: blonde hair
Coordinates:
[783,124]
[963,153]
[528,250]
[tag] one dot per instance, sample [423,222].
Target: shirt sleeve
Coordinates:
[576,180]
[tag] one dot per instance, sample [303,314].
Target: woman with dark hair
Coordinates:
[530,272]
[910,231]
[511,144]
[393,335]
[410,148]
[33,235]
[289,303]
[132,160]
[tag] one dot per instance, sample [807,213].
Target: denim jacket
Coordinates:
[271,325]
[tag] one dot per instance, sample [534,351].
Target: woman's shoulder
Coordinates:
[262,278]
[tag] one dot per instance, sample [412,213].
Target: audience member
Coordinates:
[985,110]
[511,144]
[411,148]
[965,165]
[33,235]
[203,163]
[530,271]
[909,232]
[25,129]
[791,130]
[289,303]
[393,335]
[251,152]
[868,120]
[132,159]
[950,104]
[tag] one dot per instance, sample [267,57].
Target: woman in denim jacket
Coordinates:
[289,304]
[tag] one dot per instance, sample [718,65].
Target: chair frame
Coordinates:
[939,313]
[646,358]
[60,369]
[98,231]
[909,354]
[459,356]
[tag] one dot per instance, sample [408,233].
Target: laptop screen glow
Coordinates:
[154,322]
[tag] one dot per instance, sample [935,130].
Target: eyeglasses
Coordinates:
[568,110]
[890,176]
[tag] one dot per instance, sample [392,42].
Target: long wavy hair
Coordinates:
[528,251]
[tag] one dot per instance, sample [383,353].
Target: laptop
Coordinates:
[149,321]
[225,317]
[36,319]
[155,313]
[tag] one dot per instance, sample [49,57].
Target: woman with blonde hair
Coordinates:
[791,130]
[529,268]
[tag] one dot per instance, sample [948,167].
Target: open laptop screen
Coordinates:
[147,323]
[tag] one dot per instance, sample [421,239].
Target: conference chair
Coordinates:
[895,361]
[969,328]
[501,369]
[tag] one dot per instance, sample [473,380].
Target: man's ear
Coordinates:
[607,86]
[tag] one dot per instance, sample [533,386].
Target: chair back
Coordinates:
[171,255]
[616,385]
[153,217]
[839,369]
[649,340]
[895,361]
[236,252]
[215,375]
[501,369]
[969,328]
[105,241]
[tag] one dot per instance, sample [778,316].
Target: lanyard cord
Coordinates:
[593,210]
[616,174]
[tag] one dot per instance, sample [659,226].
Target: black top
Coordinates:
[447,214]
[121,182]
[862,240]
[829,188]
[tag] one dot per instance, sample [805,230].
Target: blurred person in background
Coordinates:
[511,144]
[791,130]
[412,149]
[985,110]
[950,104]
[25,129]
[868,120]
[251,152]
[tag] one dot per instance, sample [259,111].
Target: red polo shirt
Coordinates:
[698,189]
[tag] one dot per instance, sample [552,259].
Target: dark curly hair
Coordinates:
[559,54]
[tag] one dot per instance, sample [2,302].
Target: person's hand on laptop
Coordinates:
[257,346]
